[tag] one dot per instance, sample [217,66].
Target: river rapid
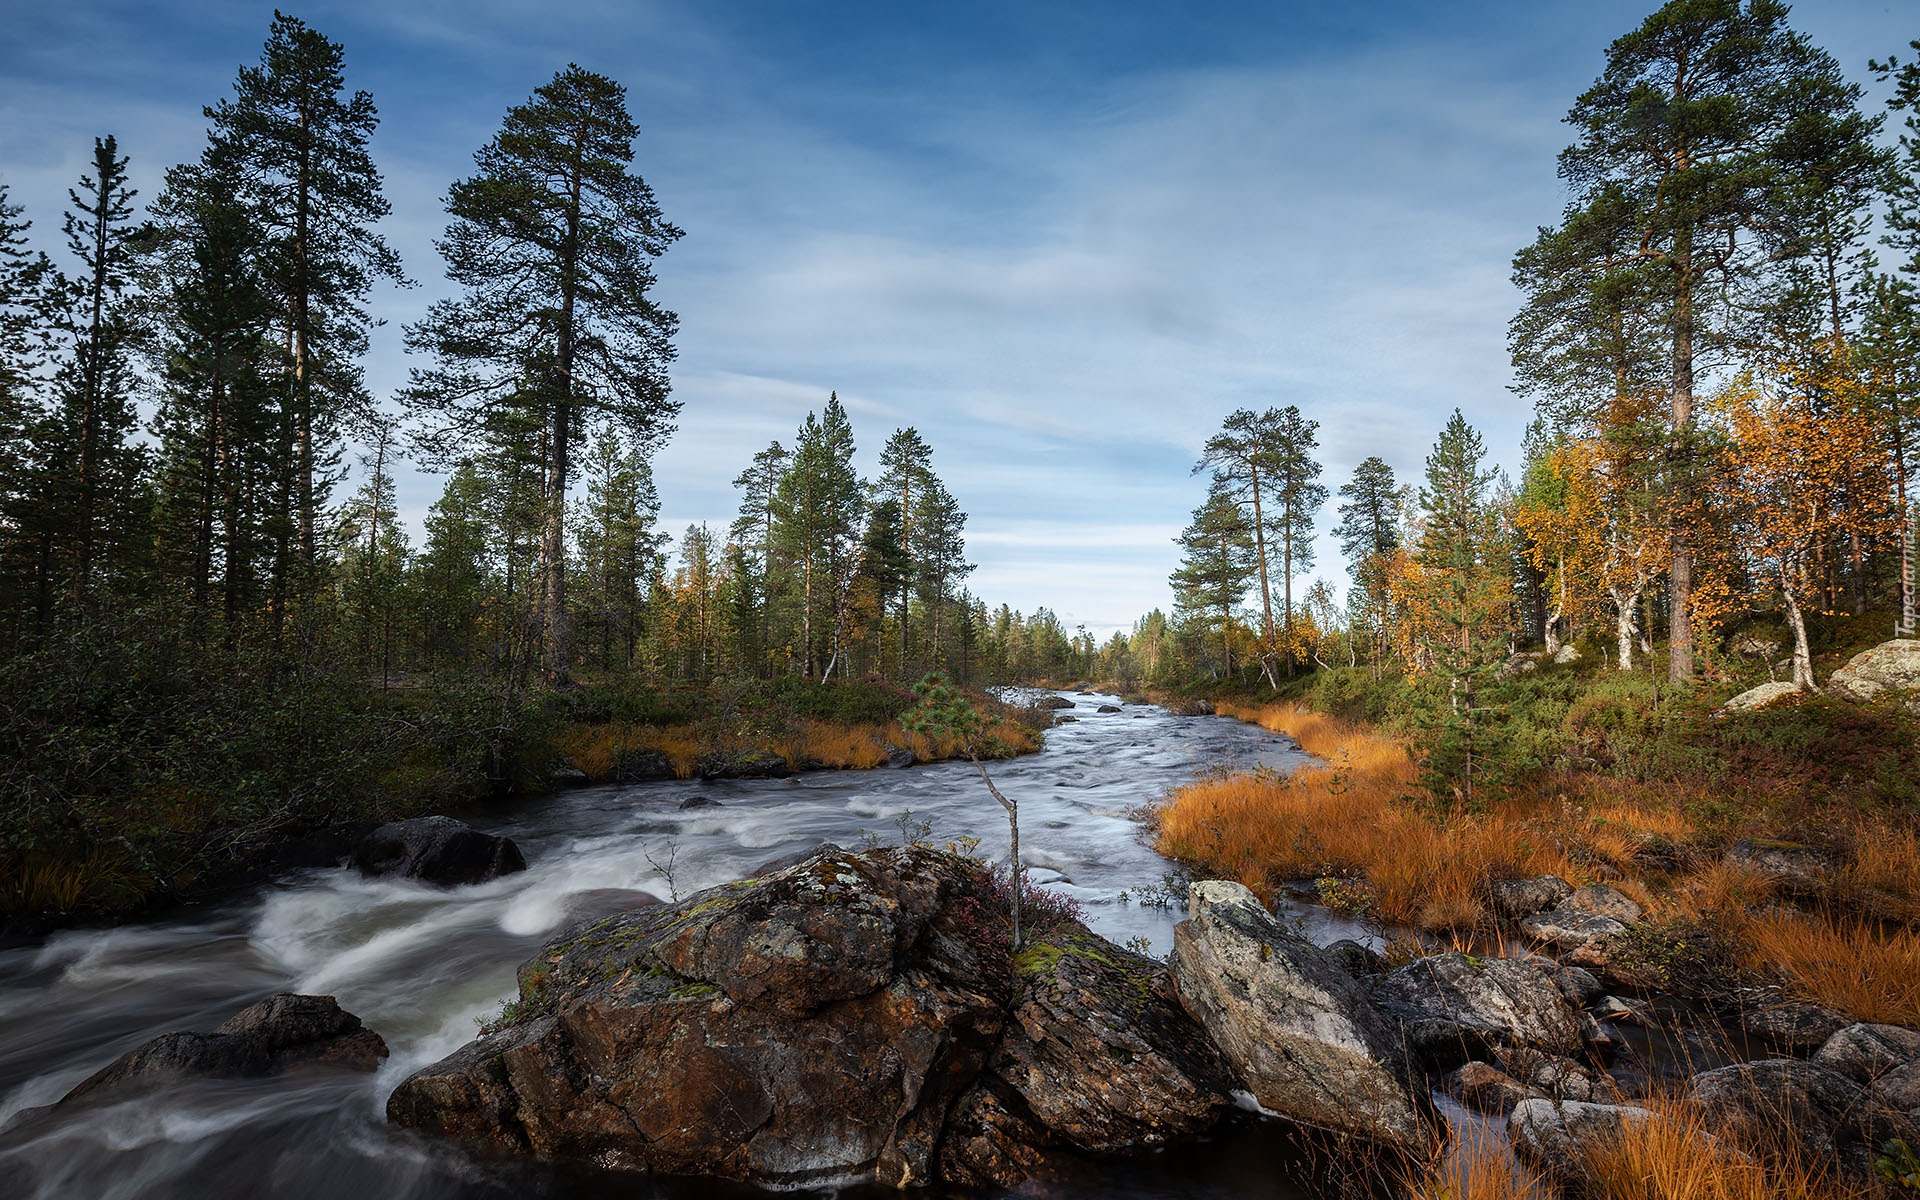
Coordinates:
[421,966]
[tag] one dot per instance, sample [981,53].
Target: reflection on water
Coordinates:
[422,966]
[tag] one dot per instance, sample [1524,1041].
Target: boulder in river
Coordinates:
[846,1016]
[437,850]
[1865,1052]
[278,1034]
[1108,708]
[1053,702]
[1299,1030]
[1554,1137]
[1825,1111]
[642,766]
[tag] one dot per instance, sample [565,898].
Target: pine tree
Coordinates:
[753,531]
[1298,496]
[1243,460]
[906,467]
[299,144]
[619,548]
[553,240]
[1688,134]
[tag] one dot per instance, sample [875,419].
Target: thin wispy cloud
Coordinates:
[1063,240]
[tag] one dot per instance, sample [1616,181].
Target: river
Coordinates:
[421,966]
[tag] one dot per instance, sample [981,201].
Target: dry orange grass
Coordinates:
[1679,1157]
[1844,963]
[1353,817]
[853,746]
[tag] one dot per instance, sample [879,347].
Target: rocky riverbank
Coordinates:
[855,1016]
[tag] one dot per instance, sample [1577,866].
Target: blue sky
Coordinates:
[1061,239]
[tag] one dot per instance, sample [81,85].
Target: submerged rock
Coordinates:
[845,1016]
[437,850]
[278,1034]
[1301,1033]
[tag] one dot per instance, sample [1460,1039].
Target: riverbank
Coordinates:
[138,784]
[1771,863]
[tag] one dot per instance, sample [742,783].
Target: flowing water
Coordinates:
[421,966]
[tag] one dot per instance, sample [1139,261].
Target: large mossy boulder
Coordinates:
[1891,670]
[851,1015]
[1302,1033]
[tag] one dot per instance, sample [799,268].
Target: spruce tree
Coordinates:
[1369,533]
[1217,564]
[906,467]
[553,240]
[818,510]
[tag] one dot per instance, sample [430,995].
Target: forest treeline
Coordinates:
[203,640]
[1726,379]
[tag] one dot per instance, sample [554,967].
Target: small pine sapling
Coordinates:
[944,713]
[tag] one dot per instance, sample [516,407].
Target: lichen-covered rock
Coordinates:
[1516,898]
[1763,696]
[1823,1109]
[1599,900]
[1456,1006]
[1789,1024]
[1889,669]
[1100,1058]
[844,1016]
[1795,865]
[1558,1077]
[1553,1138]
[1301,1033]
[1570,930]
[437,850]
[278,1034]
[1864,1052]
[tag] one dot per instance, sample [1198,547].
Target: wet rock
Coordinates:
[1793,1025]
[567,775]
[1053,702]
[278,1034]
[437,850]
[1625,1012]
[642,766]
[594,903]
[1558,1077]
[1191,708]
[899,758]
[782,862]
[1552,1138]
[1300,1032]
[1761,697]
[1516,898]
[1579,986]
[700,802]
[1864,1052]
[1891,669]
[845,1016]
[1485,1088]
[1456,1006]
[1797,866]
[1599,900]
[1108,708]
[1355,959]
[743,764]
[1065,719]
